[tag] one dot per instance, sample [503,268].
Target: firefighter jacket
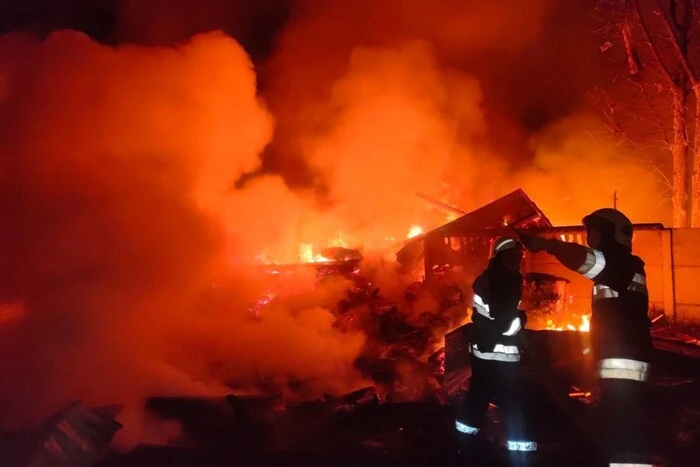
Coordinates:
[620,326]
[496,317]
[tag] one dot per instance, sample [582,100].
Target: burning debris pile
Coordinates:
[402,332]
[403,351]
[122,206]
[403,321]
[545,299]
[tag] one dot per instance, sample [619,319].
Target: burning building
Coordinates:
[458,251]
[465,242]
[556,298]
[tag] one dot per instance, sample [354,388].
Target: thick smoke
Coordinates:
[122,234]
[126,246]
[579,168]
[395,124]
[383,100]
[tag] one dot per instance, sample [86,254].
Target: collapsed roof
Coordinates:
[515,209]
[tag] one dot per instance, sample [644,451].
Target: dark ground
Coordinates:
[422,433]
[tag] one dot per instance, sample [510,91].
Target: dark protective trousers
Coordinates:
[625,433]
[499,382]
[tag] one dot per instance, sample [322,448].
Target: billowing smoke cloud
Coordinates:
[384,100]
[119,225]
[395,124]
[125,244]
[321,38]
[579,167]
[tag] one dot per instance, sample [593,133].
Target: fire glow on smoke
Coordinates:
[116,180]
[311,253]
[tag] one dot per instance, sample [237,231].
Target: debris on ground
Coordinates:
[76,436]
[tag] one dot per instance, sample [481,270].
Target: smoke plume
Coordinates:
[579,168]
[120,222]
[126,244]
[382,101]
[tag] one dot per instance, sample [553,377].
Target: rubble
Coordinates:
[375,425]
[76,436]
[417,359]
[362,397]
[544,297]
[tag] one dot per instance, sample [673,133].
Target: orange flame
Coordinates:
[306,252]
[583,326]
[307,255]
[414,231]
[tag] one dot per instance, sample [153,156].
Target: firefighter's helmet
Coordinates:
[504,244]
[613,223]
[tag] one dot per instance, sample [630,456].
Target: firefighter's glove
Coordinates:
[534,243]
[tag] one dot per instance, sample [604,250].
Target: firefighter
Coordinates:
[620,327]
[495,355]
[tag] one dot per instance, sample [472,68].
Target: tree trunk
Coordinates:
[679,152]
[695,179]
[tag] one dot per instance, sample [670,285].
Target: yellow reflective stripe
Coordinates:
[593,265]
[623,368]
[509,349]
[515,326]
[603,291]
[501,353]
[639,279]
[481,307]
[523,446]
[638,284]
[501,246]
[466,429]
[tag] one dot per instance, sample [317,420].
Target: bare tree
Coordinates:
[654,102]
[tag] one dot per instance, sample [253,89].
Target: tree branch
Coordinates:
[652,45]
[632,61]
[680,56]
[651,168]
[656,114]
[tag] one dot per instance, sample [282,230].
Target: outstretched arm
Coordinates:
[586,261]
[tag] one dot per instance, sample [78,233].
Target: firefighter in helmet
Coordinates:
[495,356]
[620,327]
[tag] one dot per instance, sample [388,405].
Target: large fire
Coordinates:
[123,196]
[307,252]
[584,325]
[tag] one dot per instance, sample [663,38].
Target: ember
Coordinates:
[261,302]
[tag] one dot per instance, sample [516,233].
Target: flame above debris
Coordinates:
[414,231]
[122,162]
[307,255]
[583,326]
